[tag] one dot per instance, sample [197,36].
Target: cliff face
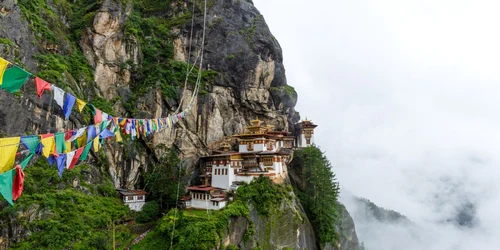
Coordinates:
[249,82]
[287,227]
[94,50]
[250,79]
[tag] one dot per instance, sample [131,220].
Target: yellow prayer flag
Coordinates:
[118,136]
[96,144]
[68,147]
[3,66]
[48,146]
[81,104]
[82,140]
[8,150]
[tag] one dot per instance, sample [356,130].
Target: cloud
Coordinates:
[405,93]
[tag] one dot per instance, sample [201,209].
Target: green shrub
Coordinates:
[263,194]
[71,219]
[149,211]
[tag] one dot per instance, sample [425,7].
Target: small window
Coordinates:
[130,198]
[140,197]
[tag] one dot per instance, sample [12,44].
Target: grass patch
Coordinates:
[68,218]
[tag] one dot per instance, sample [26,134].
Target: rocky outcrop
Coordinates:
[107,50]
[284,228]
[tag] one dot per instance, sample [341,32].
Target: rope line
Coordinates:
[195,92]
[188,71]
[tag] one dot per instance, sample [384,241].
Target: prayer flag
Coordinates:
[30,142]
[6,181]
[97,116]
[91,133]
[8,149]
[105,134]
[48,143]
[51,160]
[14,78]
[82,140]
[81,104]
[96,144]
[68,105]
[69,158]
[18,185]
[41,86]
[26,160]
[61,160]
[60,142]
[59,96]
[118,136]
[85,152]
[105,116]
[77,134]
[75,158]
[3,66]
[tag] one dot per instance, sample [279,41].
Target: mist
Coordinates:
[405,94]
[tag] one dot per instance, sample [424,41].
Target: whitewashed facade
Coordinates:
[134,199]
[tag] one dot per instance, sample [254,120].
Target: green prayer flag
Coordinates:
[14,78]
[27,160]
[104,124]
[60,142]
[6,181]
[86,150]
[31,142]
[92,108]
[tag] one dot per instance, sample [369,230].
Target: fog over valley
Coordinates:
[405,94]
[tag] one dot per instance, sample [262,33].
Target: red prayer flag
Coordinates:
[98,116]
[78,153]
[41,86]
[68,135]
[18,185]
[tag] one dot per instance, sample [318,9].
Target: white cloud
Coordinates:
[405,96]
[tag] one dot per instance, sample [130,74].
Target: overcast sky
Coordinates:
[405,93]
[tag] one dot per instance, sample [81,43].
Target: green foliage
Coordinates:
[162,179]
[287,90]
[41,19]
[6,41]
[232,247]
[193,229]
[264,194]
[84,12]
[290,91]
[249,32]
[151,25]
[103,104]
[319,192]
[69,218]
[149,211]
[52,67]
[62,62]
[200,229]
